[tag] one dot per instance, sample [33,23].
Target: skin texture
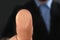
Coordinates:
[24,26]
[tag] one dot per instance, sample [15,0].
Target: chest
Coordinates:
[39,25]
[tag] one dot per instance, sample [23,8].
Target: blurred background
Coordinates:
[6,8]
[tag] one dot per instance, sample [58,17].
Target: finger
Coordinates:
[24,25]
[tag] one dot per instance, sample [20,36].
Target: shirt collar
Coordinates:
[48,3]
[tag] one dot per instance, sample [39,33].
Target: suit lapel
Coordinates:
[53,17]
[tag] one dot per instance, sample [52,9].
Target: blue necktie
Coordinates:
[45,12]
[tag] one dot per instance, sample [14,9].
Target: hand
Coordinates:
[24,26]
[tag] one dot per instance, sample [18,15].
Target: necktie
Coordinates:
[45,12]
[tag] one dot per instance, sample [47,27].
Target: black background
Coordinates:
[6,8]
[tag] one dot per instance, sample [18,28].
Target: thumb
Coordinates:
[24,27]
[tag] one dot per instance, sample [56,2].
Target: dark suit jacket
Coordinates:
[39,29]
